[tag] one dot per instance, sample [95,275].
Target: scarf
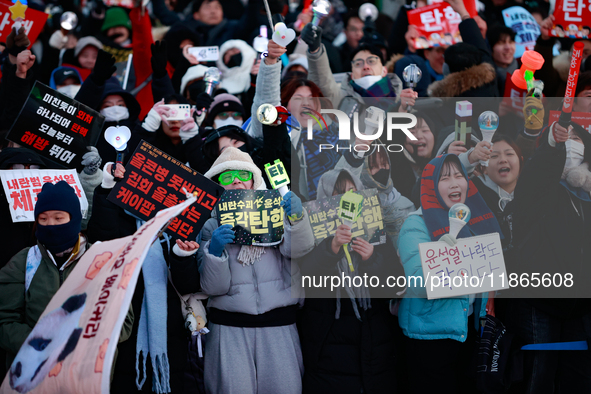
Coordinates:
[152,331]
[357,294]
[435,212]
[382,88]
[318,163]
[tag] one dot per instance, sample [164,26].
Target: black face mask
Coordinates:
[115,36]
[244,148]
[235,60]
[382,176]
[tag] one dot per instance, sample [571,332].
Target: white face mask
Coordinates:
[217,123]
[69,90]
[367,81]
[574,153]
[115,113]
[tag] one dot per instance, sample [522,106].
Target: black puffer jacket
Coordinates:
[552,232]
[346,355]
[109,222]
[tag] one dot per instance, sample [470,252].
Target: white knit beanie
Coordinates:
[234,159]
[192,73]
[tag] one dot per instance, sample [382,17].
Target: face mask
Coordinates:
[230,121]
[69,90]
[382,176]
[115,113]
[367,81]
[244,148]
[58,238]
[574,153]
[235,60]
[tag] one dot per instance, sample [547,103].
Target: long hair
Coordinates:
[290,86]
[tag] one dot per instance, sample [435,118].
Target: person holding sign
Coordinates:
[441,330]
[552,229]
[339,353]
[34,275]
[253,344]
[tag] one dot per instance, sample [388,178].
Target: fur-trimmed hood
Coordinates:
[236,79]
[458,83]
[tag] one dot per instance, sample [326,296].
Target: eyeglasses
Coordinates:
[225,115]
[25,167]
[371,61]
[228,177]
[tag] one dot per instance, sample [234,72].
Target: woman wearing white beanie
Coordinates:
[253,344]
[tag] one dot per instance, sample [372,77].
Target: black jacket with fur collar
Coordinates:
[476,81]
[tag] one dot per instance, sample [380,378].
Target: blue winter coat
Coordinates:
[419,317]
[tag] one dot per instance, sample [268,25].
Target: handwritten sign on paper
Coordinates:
[474,265]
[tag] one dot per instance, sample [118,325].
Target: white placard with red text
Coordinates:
[22,186]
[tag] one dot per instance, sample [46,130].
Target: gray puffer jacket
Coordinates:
[267,284]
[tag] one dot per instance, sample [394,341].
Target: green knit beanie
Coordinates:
[114,17]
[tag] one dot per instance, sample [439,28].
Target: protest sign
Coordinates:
[572,18]
[469,4]
[581,118]
[256,215]
[155,180]
[525,27]
[82,322]
[437,25]
[474,265]
[324,218]
[22,186]
[56,126]
[33,22]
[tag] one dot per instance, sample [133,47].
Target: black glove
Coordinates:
[104,68]
[203,100]
[16,42]
[312,36]
[159,59]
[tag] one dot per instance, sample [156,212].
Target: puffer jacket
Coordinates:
[420,318]
[255,289]
[320,73]
[20,309]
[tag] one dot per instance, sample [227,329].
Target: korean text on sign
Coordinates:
[474,265]
[155,180]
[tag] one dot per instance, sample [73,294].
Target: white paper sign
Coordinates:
[22,186]
[474,265]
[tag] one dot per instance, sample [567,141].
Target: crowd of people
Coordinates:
[267,333]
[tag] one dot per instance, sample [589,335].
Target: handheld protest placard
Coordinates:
[278,176]
[463,122]
[459,215]
[488,121]
[349,210]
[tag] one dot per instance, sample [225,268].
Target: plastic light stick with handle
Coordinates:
[412,74]
[374,118]
[529,79]
[321,9]
[117,137]
[350,208]
[277,176]
[488,121]
[459,215]
[571,84]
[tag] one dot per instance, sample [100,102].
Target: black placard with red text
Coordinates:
[56,126]
[154,180]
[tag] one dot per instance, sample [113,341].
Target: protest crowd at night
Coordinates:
[295,196]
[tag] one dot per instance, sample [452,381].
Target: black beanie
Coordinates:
[462,56]
[59,197]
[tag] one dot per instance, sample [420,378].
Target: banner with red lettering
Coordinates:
[22,186]
[437,25]
[469,4]
[33,23]
[72,347]
[572,18]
